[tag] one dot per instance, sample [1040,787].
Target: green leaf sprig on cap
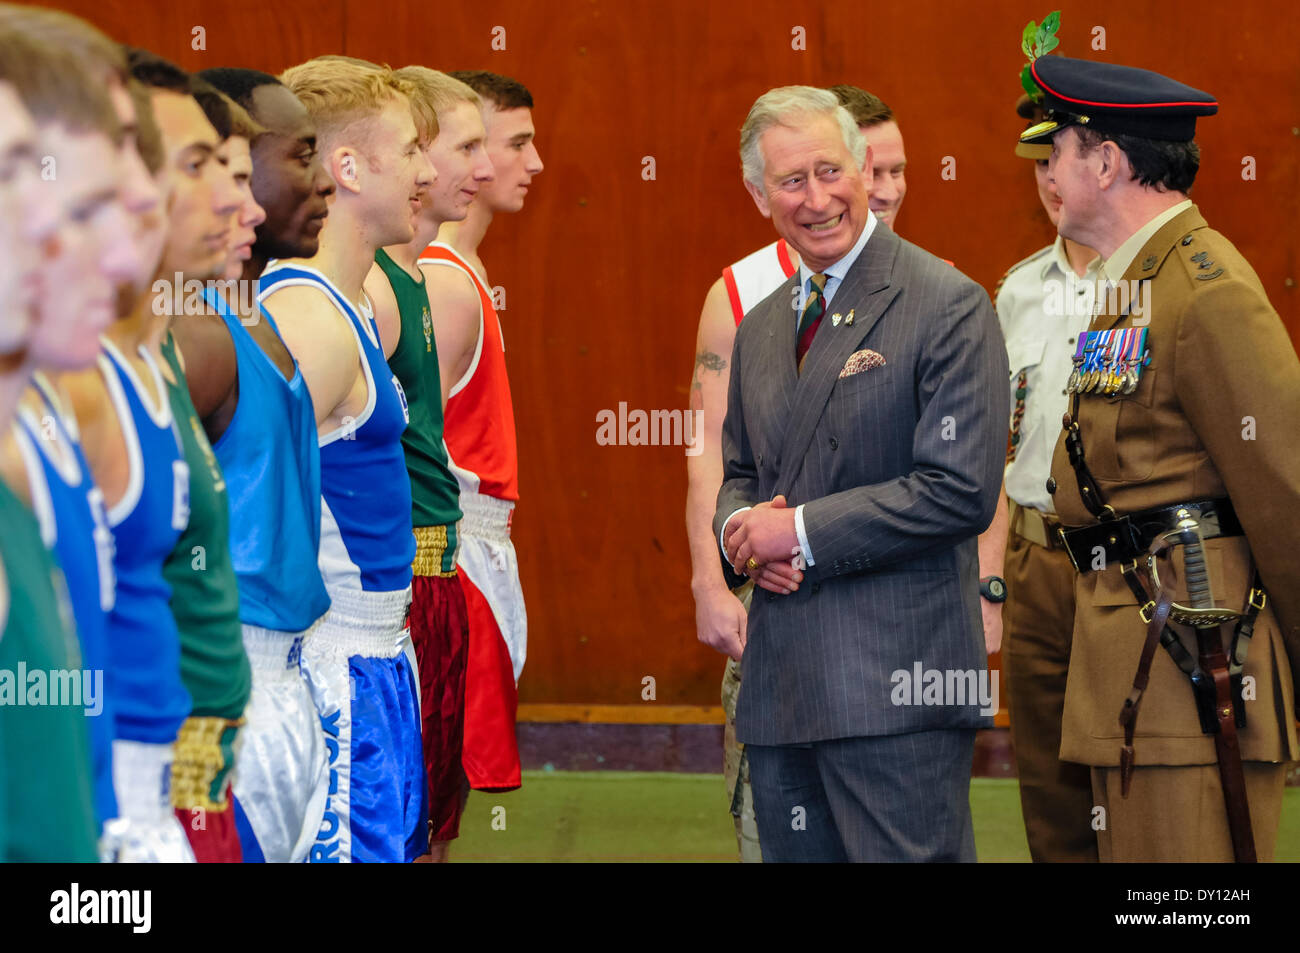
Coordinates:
[1038,40]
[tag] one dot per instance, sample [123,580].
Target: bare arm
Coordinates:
[720,619]
[318,336]
[207,355]
[456,308]
[992,552]
[387,315]
[716,335]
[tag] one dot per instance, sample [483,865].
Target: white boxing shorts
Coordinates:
[281,767]
[146,830]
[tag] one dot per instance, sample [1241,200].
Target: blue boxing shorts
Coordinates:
[361,668]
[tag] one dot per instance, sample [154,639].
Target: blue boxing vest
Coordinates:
[74,527]
[143,642]
[366,538]
[271,459]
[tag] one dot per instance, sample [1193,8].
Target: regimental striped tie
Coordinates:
[811,318]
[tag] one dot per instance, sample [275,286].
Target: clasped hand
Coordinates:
[766,533]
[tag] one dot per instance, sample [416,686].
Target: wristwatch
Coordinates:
[993,588]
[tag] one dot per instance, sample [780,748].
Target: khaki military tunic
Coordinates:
[1216,414]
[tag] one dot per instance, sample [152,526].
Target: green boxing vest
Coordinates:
[435,494]
[46,803]
[205,593]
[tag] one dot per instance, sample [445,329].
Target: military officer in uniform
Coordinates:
[1177,477]
[1044,305]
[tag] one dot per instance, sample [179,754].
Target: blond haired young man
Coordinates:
[360,661]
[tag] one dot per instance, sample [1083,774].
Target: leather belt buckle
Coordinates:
[1035,526]
[1060,533]
[1118,539]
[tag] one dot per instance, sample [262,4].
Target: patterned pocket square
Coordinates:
[860,361]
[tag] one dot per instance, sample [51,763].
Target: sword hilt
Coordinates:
[1198,576]
[1202,613]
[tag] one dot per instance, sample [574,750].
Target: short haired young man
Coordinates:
[451,130]
[480,433]
[360,660]
[51,797]
[269,453]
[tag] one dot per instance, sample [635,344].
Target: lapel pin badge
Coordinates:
[848,322]
[835,319]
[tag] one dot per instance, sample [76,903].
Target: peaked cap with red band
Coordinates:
[1121,100]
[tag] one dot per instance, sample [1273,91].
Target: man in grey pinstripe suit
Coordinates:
[863,449]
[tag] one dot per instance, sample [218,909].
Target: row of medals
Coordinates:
[1118,375]
[1108,381]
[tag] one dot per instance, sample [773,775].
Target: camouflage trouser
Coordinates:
[735,765]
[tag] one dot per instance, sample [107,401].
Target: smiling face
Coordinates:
[91,254]
[515,160]
[289,180]
[812,190]
[28,217]
[889,162]
[392,174]
[462,163]
[234,155]
[202,195]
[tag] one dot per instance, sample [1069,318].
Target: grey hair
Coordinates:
[781,107]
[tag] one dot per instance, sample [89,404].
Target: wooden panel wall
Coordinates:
[605,271]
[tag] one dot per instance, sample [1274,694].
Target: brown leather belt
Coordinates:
[1034,526]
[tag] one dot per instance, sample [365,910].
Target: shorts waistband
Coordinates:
[431,547]
[205,753]
[365,623]
[486,517]
[273,652]
[141,778]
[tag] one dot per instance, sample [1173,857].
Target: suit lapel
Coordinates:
[777,360]
[1153,255]
[867,292]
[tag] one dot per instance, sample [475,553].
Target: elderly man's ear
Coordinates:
[759,197]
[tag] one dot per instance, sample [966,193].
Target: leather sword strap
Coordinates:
[1089,492]
[1209,672]
[1226,746]
[1129,713]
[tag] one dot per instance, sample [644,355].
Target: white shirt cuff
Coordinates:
[724,529]
[803,536]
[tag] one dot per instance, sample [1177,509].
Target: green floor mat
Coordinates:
[576,816]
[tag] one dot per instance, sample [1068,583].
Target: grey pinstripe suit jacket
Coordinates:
[899,467]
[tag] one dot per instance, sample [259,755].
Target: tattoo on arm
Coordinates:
[708,361]
[711,362]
